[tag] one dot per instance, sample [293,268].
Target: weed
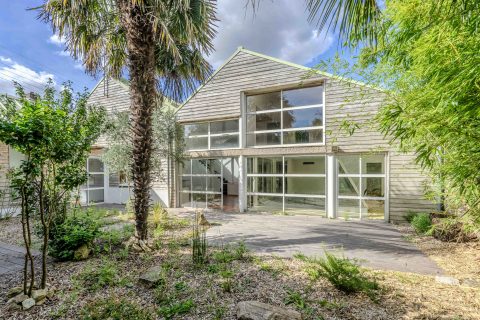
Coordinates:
[331,305]
[175,308]
[296,299]
[227,282]
[422,223]
[115,309]
[199,241]
[96,277]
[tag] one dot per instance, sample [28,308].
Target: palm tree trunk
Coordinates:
[141,54]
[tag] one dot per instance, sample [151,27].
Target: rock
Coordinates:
[471,283]
[255,310]
[28,303]
[14,291]
[447,280]
[50,293]
[81,253]
[40,302]
[19,298]
[152,277]
[39,294]
[12,306]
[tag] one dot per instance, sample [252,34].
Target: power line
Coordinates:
[33,61]
[32,82]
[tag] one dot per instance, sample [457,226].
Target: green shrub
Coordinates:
[75,231]
[115,309]
[422,223]
[344,274]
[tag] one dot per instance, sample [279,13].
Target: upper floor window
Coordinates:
[212,135]
[285,117]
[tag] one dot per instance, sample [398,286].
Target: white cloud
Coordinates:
[278,28]
[78,66]
[30,79]
[56,40]
[6,60]
[63,53]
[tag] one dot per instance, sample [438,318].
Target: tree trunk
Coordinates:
[141,55]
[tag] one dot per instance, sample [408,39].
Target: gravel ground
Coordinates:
[266,279]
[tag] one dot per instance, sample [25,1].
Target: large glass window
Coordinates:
[287,184]
[212,135]
[210,183]
[361,186]
[286,117]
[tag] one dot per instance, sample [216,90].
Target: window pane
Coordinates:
[224,142]
[265,165]
[348,186]
[373,209]
[185,199]
[264,121]
[214,201]
[298,118]
[265,184]
[214,184]
[186,166]
[95,180]
[305,206]
[373,164]
[348,208]
[196,143]
[95,196]
[348,164]
[303,136]
[265,203]
[265,101]
[199,166]
[199,200]
[186,183]
[302,97]
[214,166]
[224,126]
[373,187]
[305,165]
[263,139]
[196,129]
[199,183]
[95,165]
[305,185]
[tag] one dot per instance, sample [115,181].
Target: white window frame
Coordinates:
[209,135]
[87,188]
[360,176]
[284,175]
[282,130]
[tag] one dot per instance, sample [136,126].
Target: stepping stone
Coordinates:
[255,310]
[447,280]
[152,277]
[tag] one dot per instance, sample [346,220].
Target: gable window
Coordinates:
[287,117]
[212,135]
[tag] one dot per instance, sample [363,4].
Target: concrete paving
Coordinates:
[374,244]
[12,258]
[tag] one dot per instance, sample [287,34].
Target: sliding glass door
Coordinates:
[210,184]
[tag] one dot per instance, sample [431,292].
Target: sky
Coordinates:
[31,54]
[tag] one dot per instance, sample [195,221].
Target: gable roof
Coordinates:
[168,103]
[284,62]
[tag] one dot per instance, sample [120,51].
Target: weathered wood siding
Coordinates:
[4,164]
[114,96]
[346,105]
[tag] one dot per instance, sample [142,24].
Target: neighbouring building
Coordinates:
[262,136]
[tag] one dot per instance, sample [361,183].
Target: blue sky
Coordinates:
[30,53]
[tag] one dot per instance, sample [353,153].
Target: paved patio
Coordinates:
[375,244]
[12,258]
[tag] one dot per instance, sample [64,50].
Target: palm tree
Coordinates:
[161,42]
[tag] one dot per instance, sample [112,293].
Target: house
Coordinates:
[263,136]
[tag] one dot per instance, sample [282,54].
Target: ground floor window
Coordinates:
[287,184]
[361,186]
[210,183]
[94,190]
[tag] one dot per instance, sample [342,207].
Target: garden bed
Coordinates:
[108,281]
